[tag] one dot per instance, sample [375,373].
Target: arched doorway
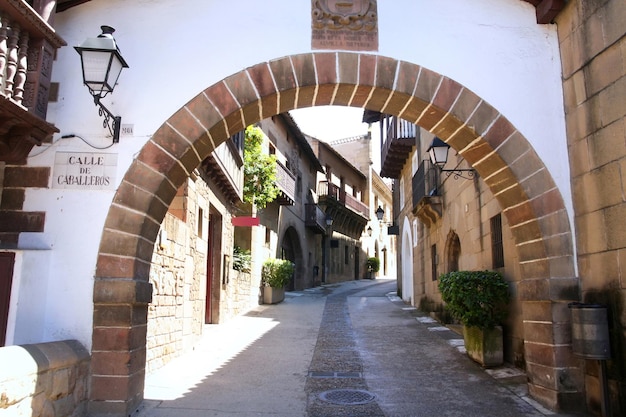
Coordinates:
[453,252]
[407,263]
[499,153]
[291,249]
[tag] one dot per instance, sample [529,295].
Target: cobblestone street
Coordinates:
[351,349]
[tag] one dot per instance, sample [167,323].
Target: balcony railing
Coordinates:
[397,147]
[286,181]
[27,49]
[334,191]
[315,218]
[426,197]
[225,166]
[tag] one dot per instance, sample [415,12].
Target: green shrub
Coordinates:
[242,259]
[276,273]
[373,264]
[475,298]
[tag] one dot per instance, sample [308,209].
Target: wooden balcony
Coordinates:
[398,144]
[27,49]
[315,218]
[348,213]
[286,181]
[225,166]
[426,198]
[331,190]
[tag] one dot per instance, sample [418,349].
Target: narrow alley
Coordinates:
[350,349]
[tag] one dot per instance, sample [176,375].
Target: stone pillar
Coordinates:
[118,356]
[555,374]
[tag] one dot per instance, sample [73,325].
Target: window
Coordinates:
[497,247]
[453,252]
[200,221]
[433,260]
[346,254]
[238,140]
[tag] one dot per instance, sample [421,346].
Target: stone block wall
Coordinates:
[44,379]
[592,37]
[165,313]
[238,295]
[178,277]
[14,181]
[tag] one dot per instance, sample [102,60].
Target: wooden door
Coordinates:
[7,259]
[208,315]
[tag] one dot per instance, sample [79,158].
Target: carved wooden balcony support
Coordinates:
[27,45]
[427,204]
[224,166]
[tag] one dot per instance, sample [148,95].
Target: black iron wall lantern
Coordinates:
[329,220]
[438,152]
[380,213]
[102,64]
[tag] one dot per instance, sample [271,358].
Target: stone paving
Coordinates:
[350,349]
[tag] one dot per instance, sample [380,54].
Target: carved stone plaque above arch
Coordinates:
[345,25]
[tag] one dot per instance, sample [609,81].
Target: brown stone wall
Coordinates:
[178,274]
[356,150]
[593,51]
[44,379]
[13,220]
[178,277]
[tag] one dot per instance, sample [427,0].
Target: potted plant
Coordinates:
[479,300]
[373,266]
[275,274]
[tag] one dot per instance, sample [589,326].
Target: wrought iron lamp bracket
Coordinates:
[111,122]
[466,174]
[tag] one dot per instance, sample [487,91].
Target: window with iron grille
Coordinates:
[433,261]
[497,247]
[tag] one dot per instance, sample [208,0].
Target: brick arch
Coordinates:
[503,158]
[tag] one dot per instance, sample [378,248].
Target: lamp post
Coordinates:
[438,153]
[102,64]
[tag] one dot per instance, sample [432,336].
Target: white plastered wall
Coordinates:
[177,49]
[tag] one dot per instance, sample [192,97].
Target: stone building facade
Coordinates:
[344,195]
[529,93]
[287,230]
[592,43]
[378,240]
[455,224]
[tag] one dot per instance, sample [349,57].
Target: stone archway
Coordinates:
[500,154]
